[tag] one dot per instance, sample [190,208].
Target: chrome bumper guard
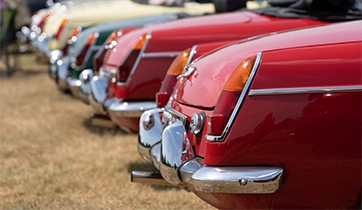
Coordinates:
[98,93]
[218,179]
[62,73]
[41,43]
[54,56]
[150,128]
[74,86]
[85,88]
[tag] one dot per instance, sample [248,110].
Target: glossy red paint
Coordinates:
[175,36]
[314,136]
[169,80]
[166,40]
[207,95]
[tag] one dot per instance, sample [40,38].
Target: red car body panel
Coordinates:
[169,81]
[170,38]
[201,80]
[175,36]
[314,136]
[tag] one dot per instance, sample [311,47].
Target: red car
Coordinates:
[135,67]
[267,123]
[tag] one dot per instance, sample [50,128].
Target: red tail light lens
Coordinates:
[162,99]
[71,39]
[229,97]
[125,68]
[175,69]
[83,53]
[61,27]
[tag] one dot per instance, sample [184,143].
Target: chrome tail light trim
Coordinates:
[305,90]
[238,103]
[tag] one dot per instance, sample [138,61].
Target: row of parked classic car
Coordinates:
[254,108]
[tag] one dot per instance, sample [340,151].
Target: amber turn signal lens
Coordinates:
[179,63]
[240,75]
[229,97]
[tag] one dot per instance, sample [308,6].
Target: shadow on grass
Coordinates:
[145,166]
[102,130]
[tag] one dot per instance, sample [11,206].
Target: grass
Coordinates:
[51,158]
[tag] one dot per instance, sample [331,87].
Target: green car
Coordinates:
[80,55]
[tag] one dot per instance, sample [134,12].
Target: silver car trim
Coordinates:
[160,55]
[98,86]
[238,103]
[62,73]
[74,86]
[155,153]
[306,90]
[171,151]
[177,170]
[130,109]
[188,70]
[135,65]
[238,179]
[148,138]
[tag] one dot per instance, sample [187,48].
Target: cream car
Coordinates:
[85,14]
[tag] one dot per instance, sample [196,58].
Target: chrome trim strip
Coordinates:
[160,55]
[305,90]
[191,56]
[135,65]
[178,114]
[238,103]
[188,70]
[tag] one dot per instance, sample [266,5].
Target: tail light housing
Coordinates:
[231,98]
[61,27]
[71,39]
[180,63]
[110,43]
[131,57]
[85,50]
[43,19]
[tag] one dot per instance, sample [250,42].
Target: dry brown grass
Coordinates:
[50,158]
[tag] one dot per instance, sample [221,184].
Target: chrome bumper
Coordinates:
[130,109]
[114,106]
[80,88]
[219,179]
[41,43]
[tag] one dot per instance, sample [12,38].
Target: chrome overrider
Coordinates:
[62,66]
[80,87]
[150,128]
[113,105]
[166,149]
[54,56]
